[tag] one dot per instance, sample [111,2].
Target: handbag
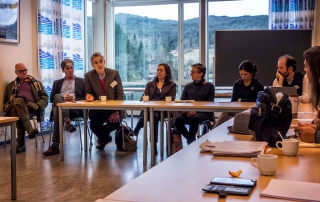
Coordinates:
[125,138]
[270,118]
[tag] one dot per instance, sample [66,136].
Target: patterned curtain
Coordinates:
[60,36]
[292,14]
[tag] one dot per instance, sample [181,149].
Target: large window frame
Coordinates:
[203,35]
[111,46]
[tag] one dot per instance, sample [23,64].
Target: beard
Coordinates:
[285,75]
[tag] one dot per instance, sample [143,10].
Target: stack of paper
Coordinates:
[234,148]
[292,190]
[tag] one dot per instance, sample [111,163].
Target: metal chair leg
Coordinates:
[90,136]
[50,134]
[41,133]
[5,137]
[79,125]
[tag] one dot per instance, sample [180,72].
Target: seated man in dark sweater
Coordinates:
[25,97]
[198,90]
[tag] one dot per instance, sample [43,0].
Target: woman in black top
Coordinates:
[198,90]
[161,86]
[244,90]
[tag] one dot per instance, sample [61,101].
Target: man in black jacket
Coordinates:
[68,89]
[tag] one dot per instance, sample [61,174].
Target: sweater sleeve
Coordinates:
[305,97]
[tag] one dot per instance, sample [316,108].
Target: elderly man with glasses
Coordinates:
[25,97]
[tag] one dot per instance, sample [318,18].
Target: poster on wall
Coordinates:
[9,21]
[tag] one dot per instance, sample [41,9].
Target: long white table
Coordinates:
[4,122]
[195,106]
[182,176]
[98,105]
[151,105]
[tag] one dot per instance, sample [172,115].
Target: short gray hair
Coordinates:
[96,54]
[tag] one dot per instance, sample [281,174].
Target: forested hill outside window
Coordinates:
[145,39]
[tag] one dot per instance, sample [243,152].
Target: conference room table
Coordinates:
[99,105]
[182,176]
[150,105]
[198,106]
[4,122]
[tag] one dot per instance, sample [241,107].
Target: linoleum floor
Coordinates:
[82,176]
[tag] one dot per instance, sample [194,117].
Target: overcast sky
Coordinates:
[191,10]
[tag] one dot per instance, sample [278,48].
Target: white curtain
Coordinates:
[60,36]
[292,14]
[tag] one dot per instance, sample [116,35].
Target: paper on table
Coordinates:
[183,101]
[292,190]
[234,148]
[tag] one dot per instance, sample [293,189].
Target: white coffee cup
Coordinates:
[145,98]
[168,99]
[267,164]
[103,98]
[294,99]
[290,147]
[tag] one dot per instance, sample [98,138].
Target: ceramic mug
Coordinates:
[168,99]
[145,98]
[290,147]
[294,99]
[103,98]
[267,164]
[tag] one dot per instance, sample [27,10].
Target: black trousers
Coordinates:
[101,126]
[156,124]
[193,123]
[67,114]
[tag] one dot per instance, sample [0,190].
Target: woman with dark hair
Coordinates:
[244,90]
[161,86]
[199,90]
[311,132]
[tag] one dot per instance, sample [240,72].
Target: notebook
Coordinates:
[292,190]
[287,90]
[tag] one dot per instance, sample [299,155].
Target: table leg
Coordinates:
[85,126]
[145,139]
[161,132]
[169,133]
[61,134]
[132,113]
[13,162]
[151,122]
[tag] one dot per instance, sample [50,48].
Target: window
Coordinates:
[89,33]
[169,33]
[145,39]
[235,15]
[191,38]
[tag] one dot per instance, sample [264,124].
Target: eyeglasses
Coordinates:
[192,72]
[22,71]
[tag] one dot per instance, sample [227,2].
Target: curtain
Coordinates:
[292,14]
[60,36]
